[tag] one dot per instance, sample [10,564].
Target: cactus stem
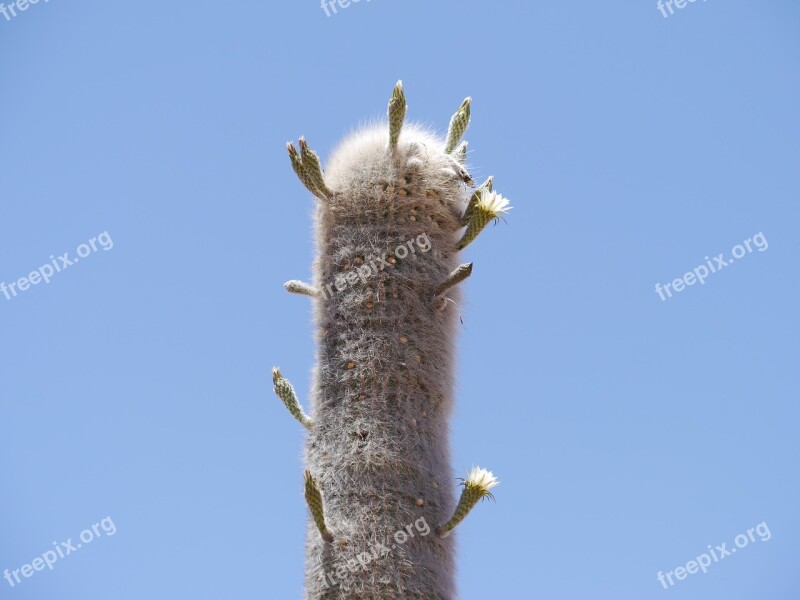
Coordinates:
[285,391]
[397,114]
[458,125]
[384,339]
[315,506]
[457,276]
[476,488]
[299,287]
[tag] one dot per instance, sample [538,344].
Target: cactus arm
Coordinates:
[313,169]
[315,506]
[473,201]
[476,488]
[299,287]
[477,222]
[307,168]
[297,165]
[457,276]
[285,391]
[397,114]
[458,125]
[488,207]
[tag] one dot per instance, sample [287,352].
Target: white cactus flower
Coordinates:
[481,479]
[493,203]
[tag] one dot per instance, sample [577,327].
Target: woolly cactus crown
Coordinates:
[361,160]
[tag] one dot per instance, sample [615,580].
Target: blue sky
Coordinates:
[629,433]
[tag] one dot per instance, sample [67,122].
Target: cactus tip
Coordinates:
[458,125]
[315,506]
[283,389]
[397,114]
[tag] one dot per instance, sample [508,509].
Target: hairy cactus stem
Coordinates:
[382,390]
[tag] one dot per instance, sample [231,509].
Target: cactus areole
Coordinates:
[395,205]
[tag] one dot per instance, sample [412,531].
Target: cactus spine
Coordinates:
[391,206]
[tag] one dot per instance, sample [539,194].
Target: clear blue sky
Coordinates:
[629,432]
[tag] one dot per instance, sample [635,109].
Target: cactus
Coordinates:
[393,212]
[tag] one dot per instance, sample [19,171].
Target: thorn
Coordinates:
[462,173]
